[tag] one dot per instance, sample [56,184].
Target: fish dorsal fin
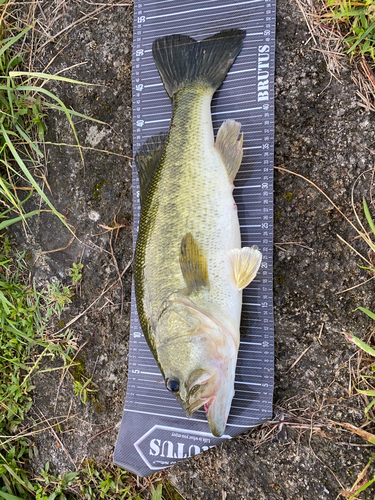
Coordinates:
[147,158]
[245,262]
[193,264]
[229,147]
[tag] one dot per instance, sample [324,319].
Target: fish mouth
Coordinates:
[193,407]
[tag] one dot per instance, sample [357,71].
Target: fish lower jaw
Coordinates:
[190,410]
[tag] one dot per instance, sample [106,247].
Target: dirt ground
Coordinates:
[321,133]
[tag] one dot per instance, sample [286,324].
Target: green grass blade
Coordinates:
[6,303]
[27,139]
[362,488]
[8,195]
[157,493]
[348,13]
[9,222]
[359,343]
[46,76]
[366,311]
[30,177]
[368,268]
[10,102]
[19,175]
[13,40]
[7,496]
[74,113]
[65,109]
[367,32]
[367,393]
[2,215]
[368,216]
[369,406]
[59,108]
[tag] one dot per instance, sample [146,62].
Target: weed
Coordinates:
[75,272]
[82,390]
[358,20]
[24,317]
[94,481]
[23,104]
[157,492]
[371,351]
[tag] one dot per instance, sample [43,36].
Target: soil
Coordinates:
[322,134]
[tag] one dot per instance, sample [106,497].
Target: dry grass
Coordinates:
[329,39]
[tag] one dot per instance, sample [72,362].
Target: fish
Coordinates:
[189,267]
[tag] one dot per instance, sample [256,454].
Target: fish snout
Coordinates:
[217,409]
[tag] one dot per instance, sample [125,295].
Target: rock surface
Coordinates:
[321,134]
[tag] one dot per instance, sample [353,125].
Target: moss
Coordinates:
[95,404]
[281,280]
[61,323]
[28,256]
[278,213]
[288,196]
[97,187]
[78,370]
[171,492]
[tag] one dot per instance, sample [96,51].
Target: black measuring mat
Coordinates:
[154,432]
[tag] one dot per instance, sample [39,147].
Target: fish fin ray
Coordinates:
[245,262]
[229,147]
[193,263]
[147,158]
[181,60]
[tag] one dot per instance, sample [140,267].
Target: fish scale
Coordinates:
[199,200]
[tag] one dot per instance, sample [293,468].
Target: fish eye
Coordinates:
[173,385]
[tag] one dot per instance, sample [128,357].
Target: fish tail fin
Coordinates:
[182,61]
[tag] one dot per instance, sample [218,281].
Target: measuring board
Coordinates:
[154,432]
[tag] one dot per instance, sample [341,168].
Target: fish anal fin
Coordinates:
[147,158]
[193,263]
[245,263]
[230,147]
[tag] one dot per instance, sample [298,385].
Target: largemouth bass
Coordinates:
[190,269]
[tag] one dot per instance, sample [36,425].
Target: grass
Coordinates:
[367,379]
[25,317]
[356,20]
[341,29]
[24,101]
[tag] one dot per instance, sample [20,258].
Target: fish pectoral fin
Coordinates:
[147,159]
[193,263]
[245,262]
[229,147]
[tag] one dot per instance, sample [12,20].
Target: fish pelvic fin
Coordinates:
[193,263]
[182,61]
[245,263]
[147,158]
[229,147]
